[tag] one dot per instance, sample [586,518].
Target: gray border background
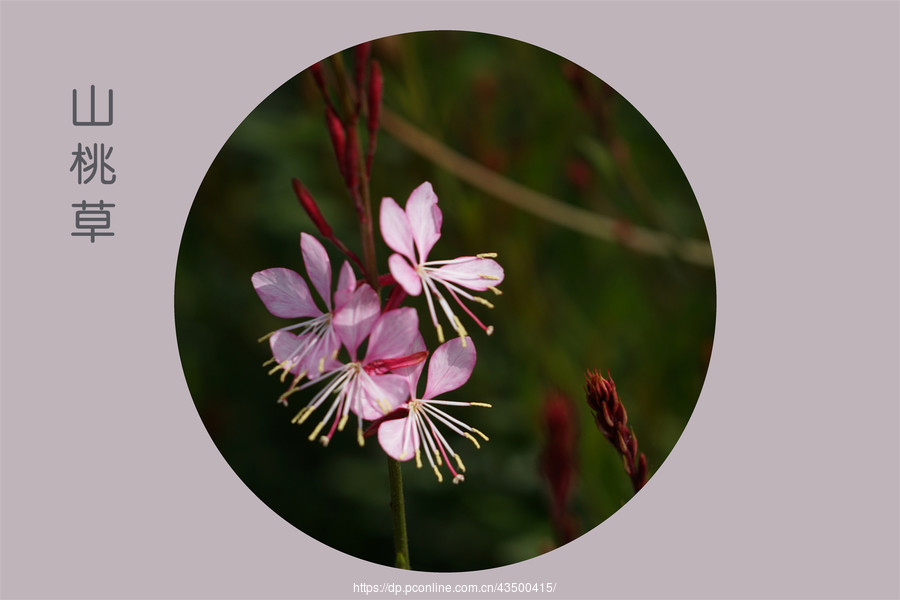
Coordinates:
[783,115]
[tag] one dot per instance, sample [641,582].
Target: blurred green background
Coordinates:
[571,302]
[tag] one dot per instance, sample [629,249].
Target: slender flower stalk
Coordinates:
[356,176]
[380,387]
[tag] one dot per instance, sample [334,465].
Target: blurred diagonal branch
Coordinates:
[635,237]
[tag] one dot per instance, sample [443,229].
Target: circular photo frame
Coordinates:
[452,251]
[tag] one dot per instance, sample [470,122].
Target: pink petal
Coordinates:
[285,293]
[425,218]
[395,228]
[346,285]
[354,320]
[450,367]
[320,358]
[318,266]
[399,438]
[305,351]
[285,345]
[393,334]
[405,275]
[476,274]
[385,393]
[412,374]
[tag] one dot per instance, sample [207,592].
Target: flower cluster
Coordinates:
[382,386]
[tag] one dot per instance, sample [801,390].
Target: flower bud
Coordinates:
[338,137]
[311,208]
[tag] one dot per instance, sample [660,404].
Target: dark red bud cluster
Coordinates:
[360,94]
[612,421]
[353,102]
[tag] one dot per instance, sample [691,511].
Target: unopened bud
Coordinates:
[338,137]
[311,208]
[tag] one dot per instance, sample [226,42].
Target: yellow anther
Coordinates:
[438,461]
[335,353]
[385,407]
[489,277]
[321,364]
[440,332]
[302,415]
[418,459]
[458,478]
[265,337]
[438,473]
[269,362]
[481,300]
[359,438]
[460,330]
[459,463]
[283,398]
[279,366]
[316,431]
[472,439]
[495,290]
[486,255]
[484,404]
[343,422]
[481,434]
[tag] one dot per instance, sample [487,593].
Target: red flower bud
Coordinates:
[338,137]
[311,208]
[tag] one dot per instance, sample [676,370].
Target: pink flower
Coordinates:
[412,234]
[285,294]
[364,387]
[404,438]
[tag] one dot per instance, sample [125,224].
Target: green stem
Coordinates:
[398,512]
[398,509]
